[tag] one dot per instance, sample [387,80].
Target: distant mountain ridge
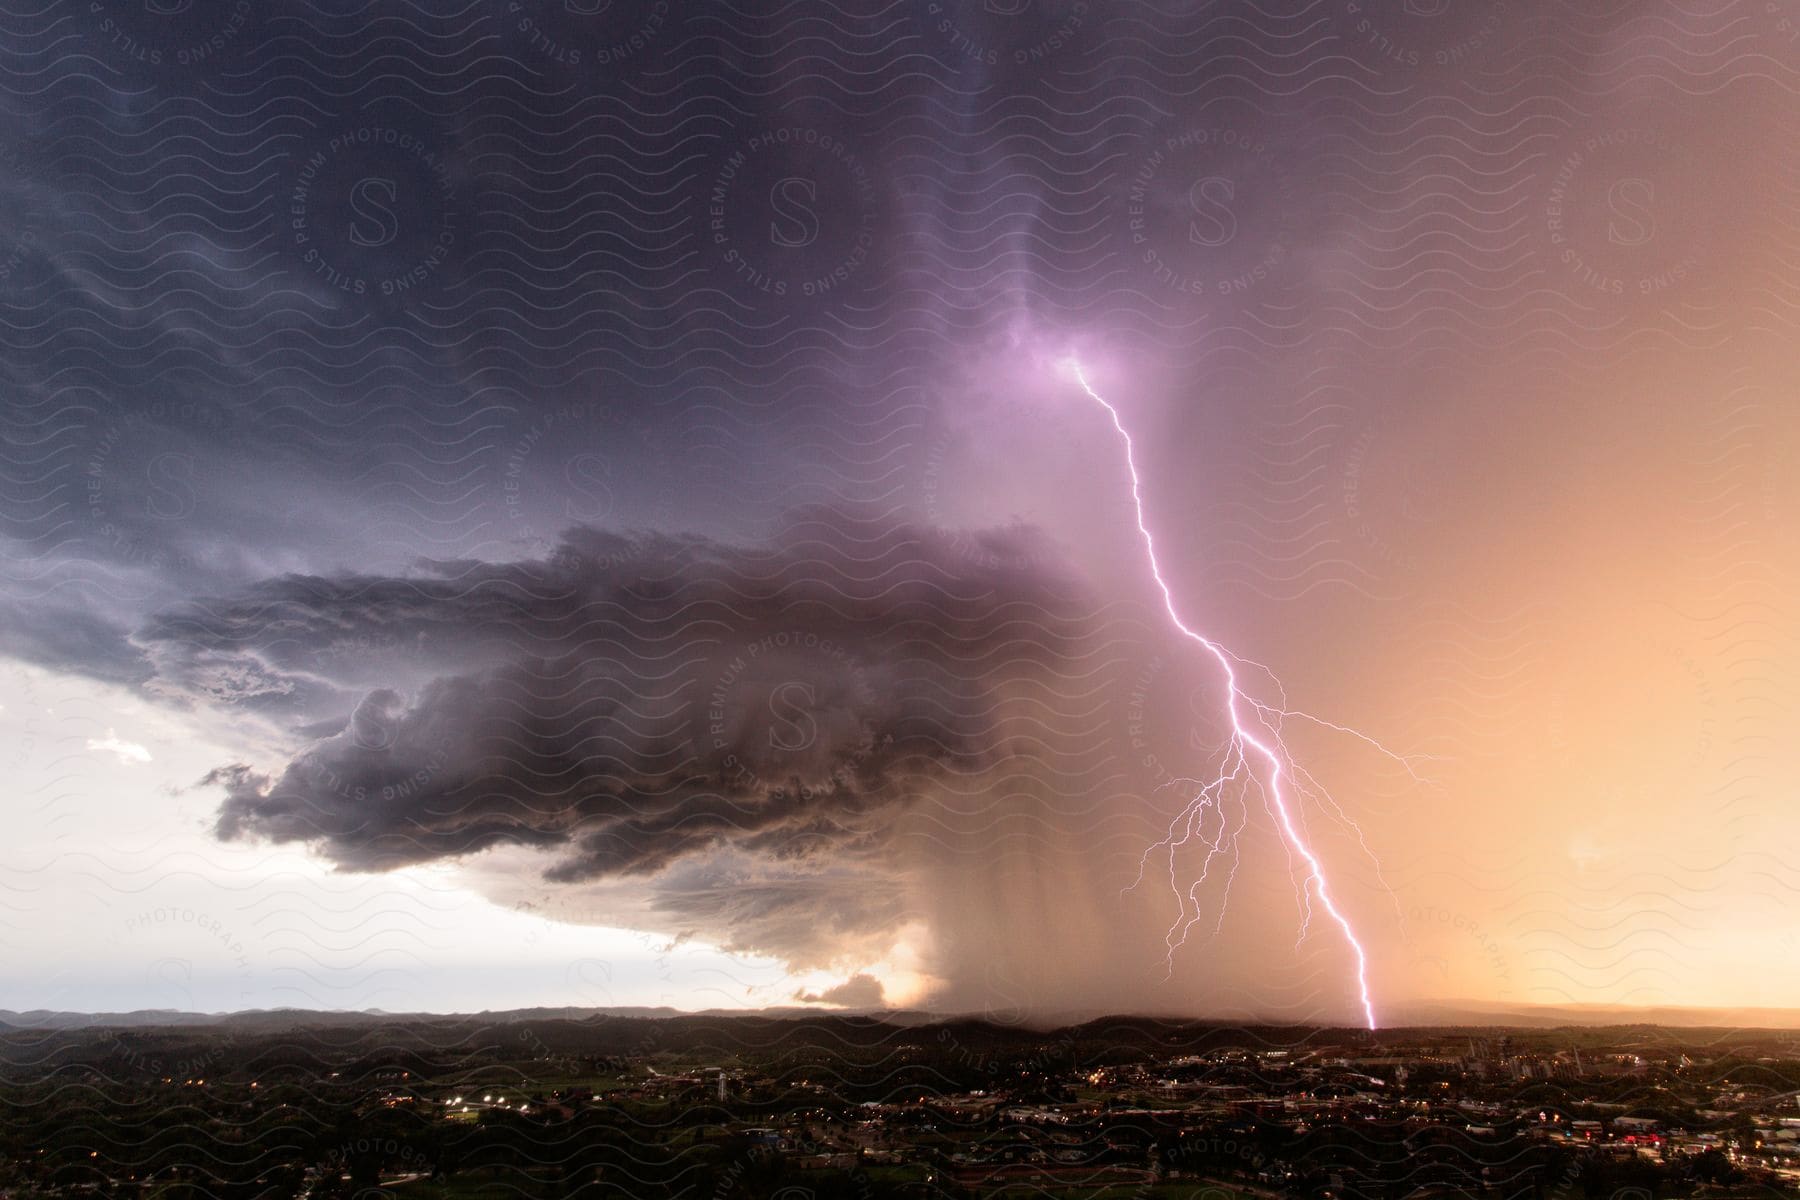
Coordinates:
[1420,1014]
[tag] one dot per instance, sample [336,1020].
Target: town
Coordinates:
[280,1106]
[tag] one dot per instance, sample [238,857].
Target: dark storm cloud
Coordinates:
[454,277]
[72,638]
[634,703]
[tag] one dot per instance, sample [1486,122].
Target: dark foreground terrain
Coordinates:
[559,1106]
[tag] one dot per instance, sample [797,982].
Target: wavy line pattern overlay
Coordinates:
[574,505]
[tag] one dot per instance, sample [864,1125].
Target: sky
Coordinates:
[601,503]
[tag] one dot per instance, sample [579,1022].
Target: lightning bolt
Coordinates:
[1254,739]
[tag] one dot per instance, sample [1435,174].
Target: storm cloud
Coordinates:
[861,990]
[415,441]
[629,703]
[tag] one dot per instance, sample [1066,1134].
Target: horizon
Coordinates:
[1463,1014]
